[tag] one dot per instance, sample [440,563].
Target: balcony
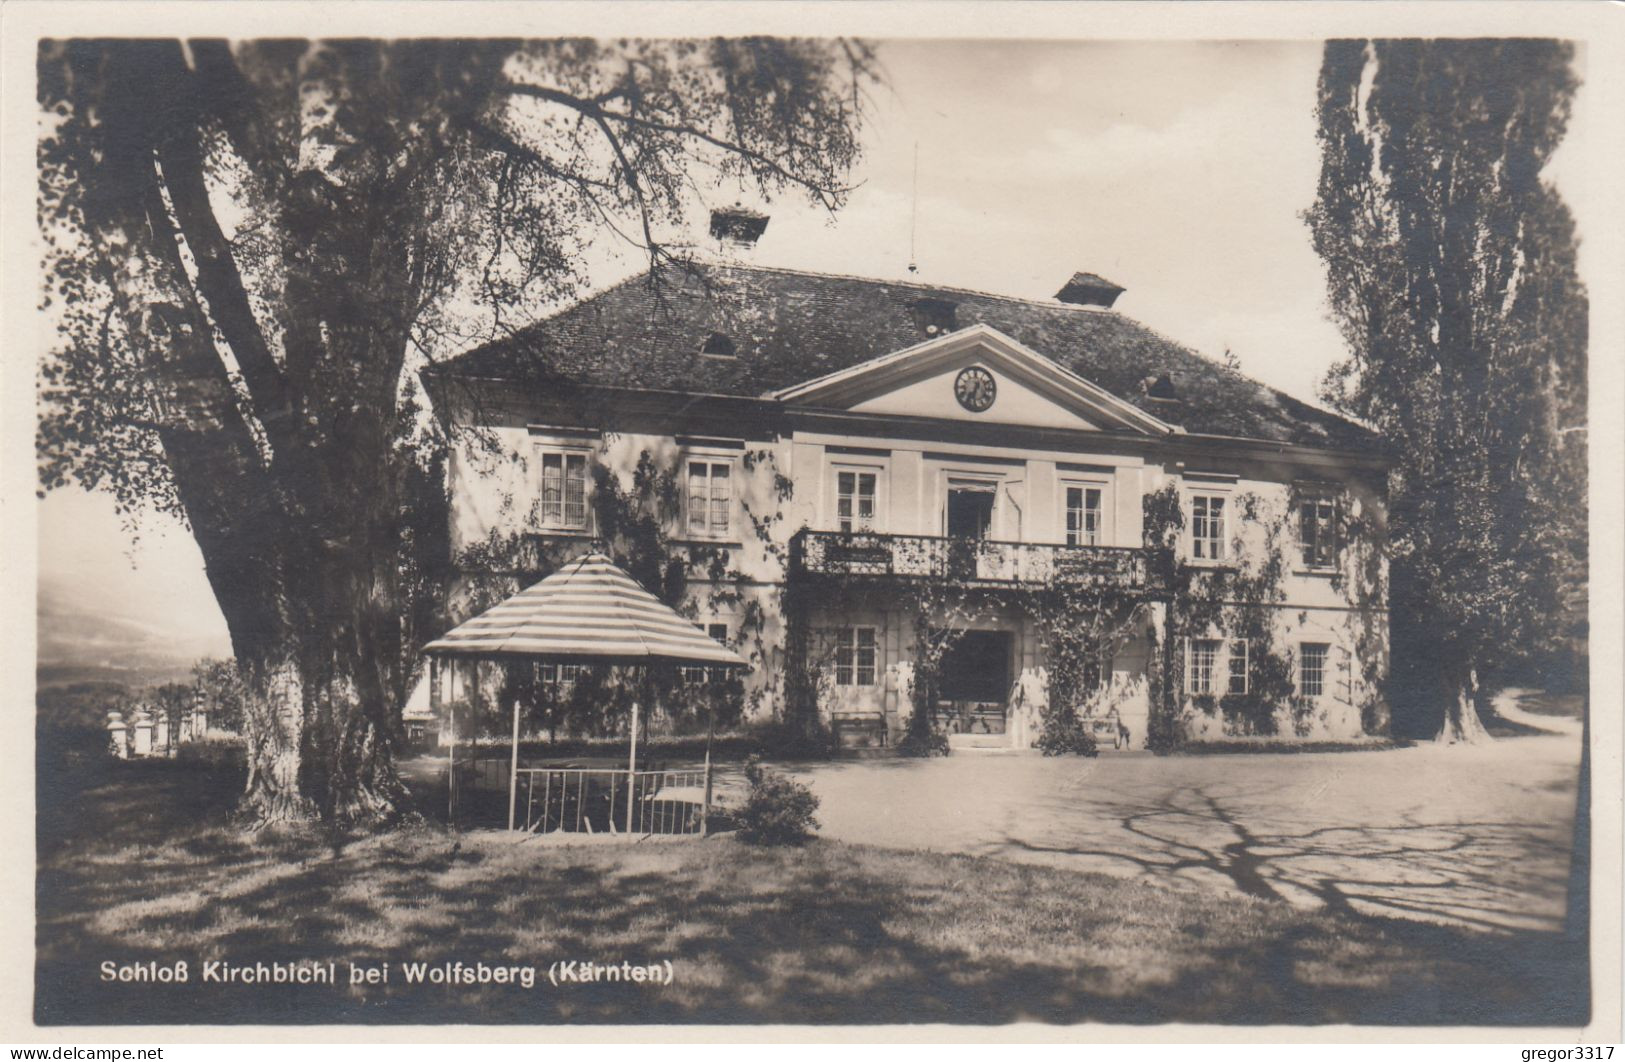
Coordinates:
[863,555]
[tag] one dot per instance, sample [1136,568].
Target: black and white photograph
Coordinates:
[738,523]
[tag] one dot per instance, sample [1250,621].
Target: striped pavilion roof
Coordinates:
[589,611]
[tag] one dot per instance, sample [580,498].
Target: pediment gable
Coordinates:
[929,380]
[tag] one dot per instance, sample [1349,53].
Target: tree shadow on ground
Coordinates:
[1457,890]
[1475,874]
[1558,705]
[828,933]
[1500,727]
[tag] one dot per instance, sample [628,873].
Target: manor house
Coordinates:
[877,484]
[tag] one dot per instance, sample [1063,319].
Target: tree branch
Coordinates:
[500,141]
[601,115]
[219,282]
[630,176]
[230,99]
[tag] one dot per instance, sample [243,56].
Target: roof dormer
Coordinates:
[935,317]
[1090,289]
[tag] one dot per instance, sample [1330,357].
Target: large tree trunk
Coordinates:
[299,772]
[273,729]
[295,518]
[319,744]
[1462,724]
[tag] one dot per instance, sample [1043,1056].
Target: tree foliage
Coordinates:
[635,509]
[79,705]
[252,246]
[1450,264]
[223,693]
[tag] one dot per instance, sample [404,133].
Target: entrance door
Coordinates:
[974,682]
[970,520]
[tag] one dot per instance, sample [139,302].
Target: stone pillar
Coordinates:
[118,735]
[903,677]
[200,722]
[160,731]
[183,728]
[143,733]
[893,690]
[1030,692]
[1027,705]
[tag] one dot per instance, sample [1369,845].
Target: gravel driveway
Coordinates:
[1477,837]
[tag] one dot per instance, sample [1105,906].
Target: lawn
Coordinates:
[137,863]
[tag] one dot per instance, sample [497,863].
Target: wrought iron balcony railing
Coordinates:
[981,561]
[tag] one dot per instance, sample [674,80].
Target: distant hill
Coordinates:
[81,639]
[134,678]
[80,705]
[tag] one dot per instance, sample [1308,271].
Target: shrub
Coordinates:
[72,746]
[1285,746]
[1162,736]
[1374,716]
[923,744]
[777,811]
[213,752]
[1248,714]
[1063,734]
[1304,716]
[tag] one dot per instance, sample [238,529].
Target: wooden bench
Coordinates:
[859,731]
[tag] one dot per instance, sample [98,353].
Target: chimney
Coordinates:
[1090,289]
[736,228]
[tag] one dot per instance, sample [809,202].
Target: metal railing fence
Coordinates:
[841,553]
[595,799]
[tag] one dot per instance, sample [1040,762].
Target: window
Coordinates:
[710,498]
[1312,669]
[855,656]
[1317,533]
[1207,526]
[855,500]
[564,489]
[717,345]
[935,316]
[1238,667]
[1204,661]
[1083,516]
[561,676]
[718,633]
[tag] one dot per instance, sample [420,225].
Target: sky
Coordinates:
[1178,170]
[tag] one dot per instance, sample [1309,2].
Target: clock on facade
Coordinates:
[974,387]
